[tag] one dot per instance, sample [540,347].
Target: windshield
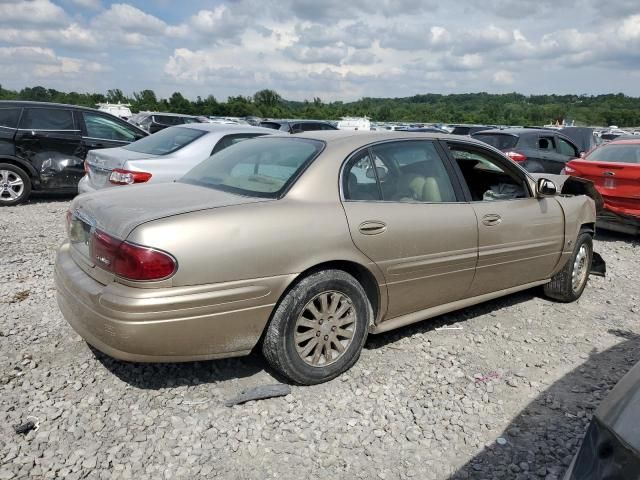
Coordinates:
[262,167]
[499,141]
[166,141]
[621,153]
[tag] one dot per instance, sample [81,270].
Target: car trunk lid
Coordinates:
[100,163]
[118,211]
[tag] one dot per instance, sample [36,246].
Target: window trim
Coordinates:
[458,191]
[502,160]
[70,110]
[571,144]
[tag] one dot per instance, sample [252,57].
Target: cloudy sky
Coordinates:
[334,49]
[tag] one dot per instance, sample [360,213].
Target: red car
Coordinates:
[614,168]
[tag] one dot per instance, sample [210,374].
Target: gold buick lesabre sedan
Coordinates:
[303,245]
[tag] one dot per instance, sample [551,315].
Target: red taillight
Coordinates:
[130,261]
[568,170]
[127,177]
[516,157]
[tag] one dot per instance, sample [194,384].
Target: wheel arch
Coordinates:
[26,166]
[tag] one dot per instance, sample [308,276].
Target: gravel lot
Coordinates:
[507,394]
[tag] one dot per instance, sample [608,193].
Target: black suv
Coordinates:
[43,146]
[297,126]
[153,122]
[538,150]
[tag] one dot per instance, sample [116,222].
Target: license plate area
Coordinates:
[80,233]
[609,183]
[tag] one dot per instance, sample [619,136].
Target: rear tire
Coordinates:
[15,185]
[319,328]
[569,283]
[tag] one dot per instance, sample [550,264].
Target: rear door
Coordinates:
[50,139]
[567,150]
[404,213]
[520,237]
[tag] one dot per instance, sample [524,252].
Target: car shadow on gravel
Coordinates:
[609,236]
[453,319]
[541,441]
[48,197]
[153,376]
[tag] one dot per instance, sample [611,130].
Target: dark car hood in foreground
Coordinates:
[620,410]
[118,211]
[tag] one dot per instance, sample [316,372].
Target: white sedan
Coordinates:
[162,157]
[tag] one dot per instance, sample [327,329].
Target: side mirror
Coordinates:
[546,188]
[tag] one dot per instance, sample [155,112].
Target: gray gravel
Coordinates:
[507,396]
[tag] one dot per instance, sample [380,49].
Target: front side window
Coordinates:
[99,126]
[166,141]
[9,117]
[406,171]
[47,119]
[487,178]
[565,148]
[261,167]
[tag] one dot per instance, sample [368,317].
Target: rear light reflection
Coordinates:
[516,156]
[127,177]
[568,170]
[130,261]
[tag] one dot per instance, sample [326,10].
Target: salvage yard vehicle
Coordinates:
[305,244]
[614,168]
[537,150]
[162,157]
[43,146]
[153,122]
[611,446]
[297,126]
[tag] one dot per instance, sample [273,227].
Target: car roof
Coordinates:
[519,131]
[294,120]
[27,103]
[363,137]
[624,141]
[225,128]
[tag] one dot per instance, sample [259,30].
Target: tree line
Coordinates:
[481,108]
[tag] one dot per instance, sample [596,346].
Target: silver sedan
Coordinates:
[162,157]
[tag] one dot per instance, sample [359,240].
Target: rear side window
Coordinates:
[499,141]
[273,125]
[47,119]
[546,143]
[166,141]
[229,140]
[9,117]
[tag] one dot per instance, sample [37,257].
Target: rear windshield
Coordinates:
[616,153]
[166,141]
[262,167]
[499,141]
[273,125]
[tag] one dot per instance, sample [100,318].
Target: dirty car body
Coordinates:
[310,242]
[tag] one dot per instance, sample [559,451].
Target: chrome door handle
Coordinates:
[492,219]
[372,227]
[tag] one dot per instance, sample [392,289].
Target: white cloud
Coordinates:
[31,12]
[89,4]
[503,77]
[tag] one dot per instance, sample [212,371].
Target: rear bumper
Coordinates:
[170,324]
[620,223]
[84,186]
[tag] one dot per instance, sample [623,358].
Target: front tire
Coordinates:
[319,328]
[15,185]
[569,283]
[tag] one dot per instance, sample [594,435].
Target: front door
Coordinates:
[520,237]
[404,214]
[49,139]
[105,131]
